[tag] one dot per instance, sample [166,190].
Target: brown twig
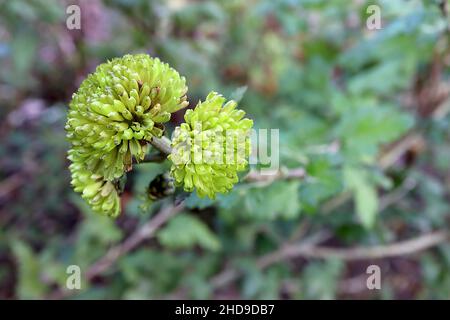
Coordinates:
[397,195]
[272,175]
[310,250]
[231,274]
[145,232]
[10,184]
[401,248]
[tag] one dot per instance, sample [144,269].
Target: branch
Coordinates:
[10,184]
[393,153]
[309,250]
[397,195]
[363,253]
[163,144]
[231,274]
[145,232]
[272,175]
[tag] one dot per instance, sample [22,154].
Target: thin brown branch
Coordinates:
[231,274]
[143,233]
[312,251]
[10,184]
[269,176]
[397,195]
[393,153]
[401,248]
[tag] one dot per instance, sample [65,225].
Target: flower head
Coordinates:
[119,108]
[211,147]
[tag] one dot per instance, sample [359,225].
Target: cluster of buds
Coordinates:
[123,105]
[211,147]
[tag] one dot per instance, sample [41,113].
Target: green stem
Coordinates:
[162,144]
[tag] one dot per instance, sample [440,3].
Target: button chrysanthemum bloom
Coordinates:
[211,147]
[119,108]
[114,115]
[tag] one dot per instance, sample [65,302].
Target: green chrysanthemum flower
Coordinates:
[113,116]
[211,147]
[119,108]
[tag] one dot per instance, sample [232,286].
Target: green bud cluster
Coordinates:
[101,194]
[112,118]
[211,147]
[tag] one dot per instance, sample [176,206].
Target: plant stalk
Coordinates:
[162,144]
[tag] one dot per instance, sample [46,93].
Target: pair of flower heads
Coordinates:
[122,106]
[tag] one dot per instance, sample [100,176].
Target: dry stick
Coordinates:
[231,274]
[397,195]
[163,144]
[10,184]
[401,248]
[308,250]
[270,176]
[145,232]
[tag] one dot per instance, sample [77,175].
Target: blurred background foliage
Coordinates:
[363,112]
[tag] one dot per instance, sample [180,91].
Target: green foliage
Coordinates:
[365,127]
[325,181]
[366,198]
[278,200]
[185,232]
[341,96]
[29,285]
[320,279]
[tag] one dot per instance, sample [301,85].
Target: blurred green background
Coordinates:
[364,112]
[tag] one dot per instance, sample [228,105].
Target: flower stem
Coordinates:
[162,144]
